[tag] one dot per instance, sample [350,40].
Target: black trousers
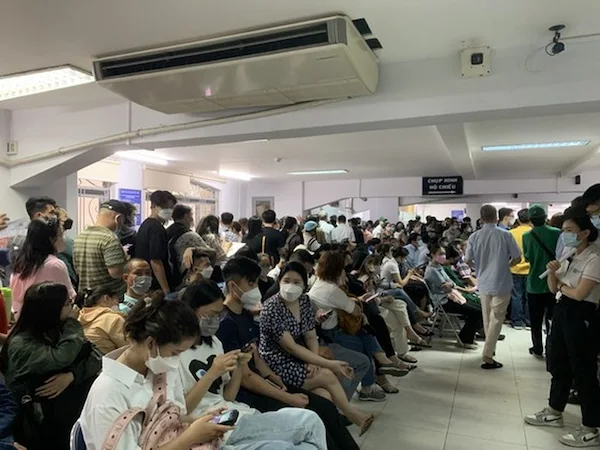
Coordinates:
[338,437]
[473,319]
[572,357]
[541,306]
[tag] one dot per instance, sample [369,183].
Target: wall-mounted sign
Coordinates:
[443,185]
[133,196]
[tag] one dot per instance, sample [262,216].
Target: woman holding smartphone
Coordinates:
[573,341]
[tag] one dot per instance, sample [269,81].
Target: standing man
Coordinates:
[152,243]
[98,256]
[226,232]
[274,238]
[539,248]
[325,226]
[493,251]
[506,217]
[519,316]
[342,232]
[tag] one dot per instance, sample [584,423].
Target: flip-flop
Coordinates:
[408,359]
[389,389]
[491,366]
[367,424]
[423,344]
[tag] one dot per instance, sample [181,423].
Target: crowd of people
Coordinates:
[278,322]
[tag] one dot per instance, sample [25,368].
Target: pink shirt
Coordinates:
[53,270]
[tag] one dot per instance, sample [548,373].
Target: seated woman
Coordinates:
[212,378]
[289,345]
[456,257]
[37,261]
[49,366]
[468,291]
[160,331]
[446,293]
[208,229]
[100,318]
[393,311]
[333,302]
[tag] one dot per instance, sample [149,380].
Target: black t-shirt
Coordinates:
[236,330]
[275,240]
[152,244]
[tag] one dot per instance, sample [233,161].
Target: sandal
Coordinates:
[408,359]
[427,333]
[367,424]
[392,370]
[388,388]
[422,343]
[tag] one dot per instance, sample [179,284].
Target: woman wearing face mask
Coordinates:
[49,366]
[100,318]
[138,276]
[289,345]
[37,261]
[211,378]
[573,342]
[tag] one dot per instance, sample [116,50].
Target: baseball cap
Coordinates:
[114,205]
[537,212]
[310,226]
[592,195]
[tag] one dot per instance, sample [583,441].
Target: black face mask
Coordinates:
[68,224]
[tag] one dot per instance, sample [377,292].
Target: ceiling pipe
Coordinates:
[163,129]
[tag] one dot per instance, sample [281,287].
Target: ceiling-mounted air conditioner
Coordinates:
[313,60]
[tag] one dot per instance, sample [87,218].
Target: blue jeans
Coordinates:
[360,363]
[288,428]
[8,412]
[363,343]
[519,307]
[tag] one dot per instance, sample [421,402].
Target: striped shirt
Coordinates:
[96,249]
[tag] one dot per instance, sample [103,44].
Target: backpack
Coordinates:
[161,422]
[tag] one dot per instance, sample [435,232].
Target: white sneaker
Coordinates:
[545,418]
[581,438]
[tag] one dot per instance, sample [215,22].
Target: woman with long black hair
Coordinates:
[49,366]
[573,341]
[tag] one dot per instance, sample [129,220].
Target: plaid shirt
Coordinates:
[463,269]
[230,236]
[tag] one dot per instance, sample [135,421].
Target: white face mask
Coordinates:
[158,364]
[252,297]
[165,213]
[207,272]
[511,221]
[115,308]
[141,284]
[290,292]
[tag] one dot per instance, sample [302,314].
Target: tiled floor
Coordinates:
[450,403]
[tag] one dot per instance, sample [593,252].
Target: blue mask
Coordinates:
[570,239]
[596,221]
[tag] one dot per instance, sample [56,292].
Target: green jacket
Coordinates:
[29,358]
[538,257]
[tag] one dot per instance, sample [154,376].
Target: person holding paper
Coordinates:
[573,343]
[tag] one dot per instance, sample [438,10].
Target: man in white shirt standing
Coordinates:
[343,232]
[378,231]
[325,226]
[494,251]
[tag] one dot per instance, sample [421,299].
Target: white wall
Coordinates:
[287,196]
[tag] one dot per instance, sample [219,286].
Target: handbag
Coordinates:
[348,323]
[161,422]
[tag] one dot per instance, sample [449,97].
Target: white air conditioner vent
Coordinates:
[314,60]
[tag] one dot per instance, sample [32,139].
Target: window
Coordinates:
[202,199]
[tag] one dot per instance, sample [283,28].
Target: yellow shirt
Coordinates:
[521,268]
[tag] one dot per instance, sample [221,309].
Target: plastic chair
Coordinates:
[77,442]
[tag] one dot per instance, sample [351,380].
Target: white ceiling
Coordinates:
[36,34]
[406,152]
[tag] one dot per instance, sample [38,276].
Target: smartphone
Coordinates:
[246,348]
[373,297]
[228,418]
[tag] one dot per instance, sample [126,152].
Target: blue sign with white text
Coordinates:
[133,196]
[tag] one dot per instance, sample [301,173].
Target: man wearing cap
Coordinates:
[97,254]
[539,248]
[310,236]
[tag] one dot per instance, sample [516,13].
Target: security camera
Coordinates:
[555,47]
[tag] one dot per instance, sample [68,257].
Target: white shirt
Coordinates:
[341,233]
[117,389]
[329,297]
[378,231]
[274,273]
[389,268]
[327,228]
[193,365]
[585,265]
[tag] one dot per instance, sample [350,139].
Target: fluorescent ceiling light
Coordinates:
[320,172]
[560,144]
[235,175]
[144,156]
[45,80]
